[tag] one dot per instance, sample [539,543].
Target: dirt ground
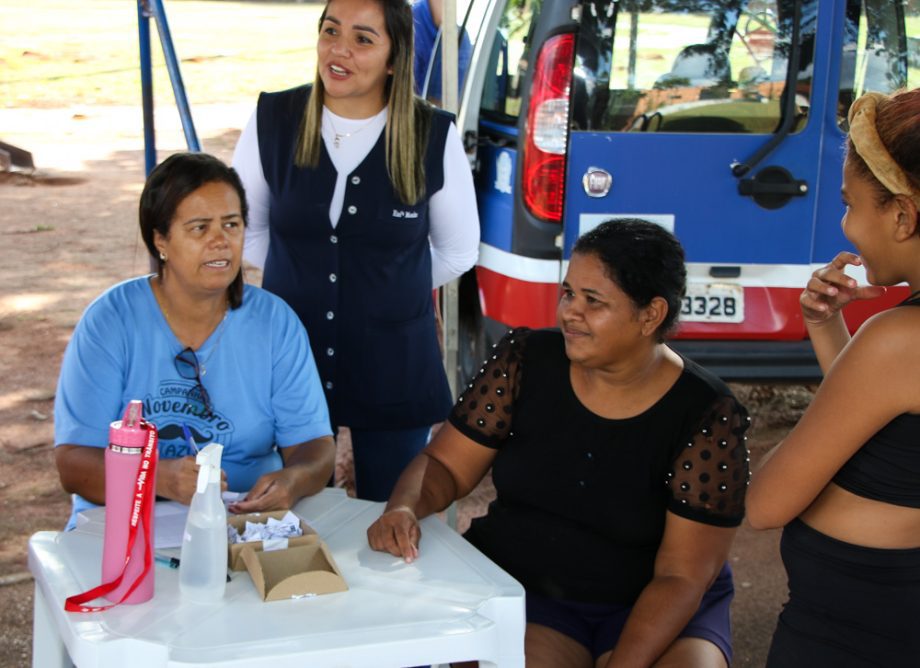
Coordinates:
[68,231]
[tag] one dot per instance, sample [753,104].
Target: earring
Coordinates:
[163,257]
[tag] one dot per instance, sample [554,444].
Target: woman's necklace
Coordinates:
[339,136]
[219,330]
[203,363]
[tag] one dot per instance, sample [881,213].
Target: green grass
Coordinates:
[61,53]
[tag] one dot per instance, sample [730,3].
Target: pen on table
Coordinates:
[172,562]
[188,438]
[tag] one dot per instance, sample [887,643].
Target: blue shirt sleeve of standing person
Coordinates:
[426,32]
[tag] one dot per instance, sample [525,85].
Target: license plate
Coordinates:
[713,302]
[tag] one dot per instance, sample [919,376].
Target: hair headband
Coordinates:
[870,148]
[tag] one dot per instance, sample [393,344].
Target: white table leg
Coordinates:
[48,649]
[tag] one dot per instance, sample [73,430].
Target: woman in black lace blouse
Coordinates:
[620,468]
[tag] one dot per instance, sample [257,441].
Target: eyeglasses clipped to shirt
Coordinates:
[188,367]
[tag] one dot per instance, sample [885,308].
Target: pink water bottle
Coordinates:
[127,439]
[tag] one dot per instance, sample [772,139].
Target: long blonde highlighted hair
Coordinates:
[408,117]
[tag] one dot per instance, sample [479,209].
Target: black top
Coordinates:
[887,467]
[582,499]
[363,288]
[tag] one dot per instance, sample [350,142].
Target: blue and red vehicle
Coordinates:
[723,121]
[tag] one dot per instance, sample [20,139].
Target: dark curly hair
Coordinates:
[643,259]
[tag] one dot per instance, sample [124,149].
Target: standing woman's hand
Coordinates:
[829,289]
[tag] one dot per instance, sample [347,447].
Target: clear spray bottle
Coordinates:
[203,564]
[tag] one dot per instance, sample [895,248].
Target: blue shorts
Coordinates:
[598,626]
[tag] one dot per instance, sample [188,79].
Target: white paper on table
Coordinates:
[232,497]
[170,516]
[169,521]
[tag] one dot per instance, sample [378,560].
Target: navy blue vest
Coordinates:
[363,288]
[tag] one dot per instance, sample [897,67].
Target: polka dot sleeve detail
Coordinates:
[710,475]
[483,411]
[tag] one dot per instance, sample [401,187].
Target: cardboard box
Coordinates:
[305,570]
[238,522]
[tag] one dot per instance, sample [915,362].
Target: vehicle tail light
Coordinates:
[547,129]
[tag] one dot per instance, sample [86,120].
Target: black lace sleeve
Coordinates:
[484,410]
[710,474]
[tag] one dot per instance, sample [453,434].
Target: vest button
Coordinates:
[334,239]
[328,384]
[352,209]
[329,315]
[332,278]
[355,180]
[330,352]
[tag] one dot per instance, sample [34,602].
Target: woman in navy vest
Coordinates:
[362,203]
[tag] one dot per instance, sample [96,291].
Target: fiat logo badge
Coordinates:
[596,182]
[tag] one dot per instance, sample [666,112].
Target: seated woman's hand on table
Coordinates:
[307,468]
[446,470]
[82,471]
[396,531]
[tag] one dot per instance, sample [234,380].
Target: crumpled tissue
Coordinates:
[273,533]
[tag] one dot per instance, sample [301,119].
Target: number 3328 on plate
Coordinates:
[713,302]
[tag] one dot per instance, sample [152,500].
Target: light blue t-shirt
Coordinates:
[257,369]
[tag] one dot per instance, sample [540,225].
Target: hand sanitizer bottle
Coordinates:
[203,564]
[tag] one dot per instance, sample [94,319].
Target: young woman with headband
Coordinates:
[845,483]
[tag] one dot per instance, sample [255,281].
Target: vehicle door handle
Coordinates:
[772,187]
[751,187]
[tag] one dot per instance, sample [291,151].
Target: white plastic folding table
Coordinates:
[451,604]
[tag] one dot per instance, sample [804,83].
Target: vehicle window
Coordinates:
[690,66]
[508,62]
[881,50]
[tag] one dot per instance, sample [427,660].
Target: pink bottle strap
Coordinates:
[144,498]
